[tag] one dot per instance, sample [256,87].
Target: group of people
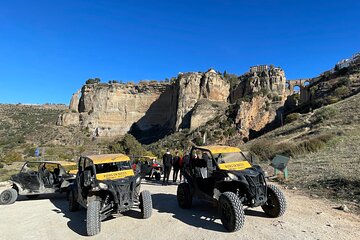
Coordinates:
[177,163]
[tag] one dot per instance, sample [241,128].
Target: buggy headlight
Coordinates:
[231,177]
[138,180]
[103,186]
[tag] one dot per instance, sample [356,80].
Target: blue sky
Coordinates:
[48,49]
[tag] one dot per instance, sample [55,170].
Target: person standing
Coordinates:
[181,166]
[167,161]
[185,165]
[176,166]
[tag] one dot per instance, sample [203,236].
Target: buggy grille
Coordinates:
[257,186]
[124,193]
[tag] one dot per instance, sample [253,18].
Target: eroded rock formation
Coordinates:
[259,96]
[153,110]
[193,87]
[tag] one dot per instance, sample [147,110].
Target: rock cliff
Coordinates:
[193,87]
[152,110]
[258,97]
[109,110]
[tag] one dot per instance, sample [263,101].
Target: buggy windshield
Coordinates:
[229,157]
[112,167]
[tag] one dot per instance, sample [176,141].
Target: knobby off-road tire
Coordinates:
[276,203]
[8,196]
[145,204]
[231,211]
[93,221]
[73,204]
[184,197]
[158,176]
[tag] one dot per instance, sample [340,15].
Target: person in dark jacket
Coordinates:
[176,166]
[167,161]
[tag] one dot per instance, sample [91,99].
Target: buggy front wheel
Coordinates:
[93,220]
[231,211]
[145,204]
[275,205]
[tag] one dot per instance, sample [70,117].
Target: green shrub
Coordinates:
[232,131]
[292,117]
[127,145]
[11,157]
[198,141]
[342,91]
[30,151]
[325,114]
[277,98]
[1,165]
[264,149]
[332,99]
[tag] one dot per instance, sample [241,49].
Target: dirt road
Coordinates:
[49,218]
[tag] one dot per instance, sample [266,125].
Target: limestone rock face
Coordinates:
[272,81]
[110,110]
[67,119]
[253,115]
[204,111]
[153,110]
[258,95]
[74,103]
[193,87]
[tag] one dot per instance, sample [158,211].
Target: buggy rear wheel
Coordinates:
[157,176]
[184,197]
[145,204]
[8,196]
[231,211]
[275,205]
[73,204]
[93,221]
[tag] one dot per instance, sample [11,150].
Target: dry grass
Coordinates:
[332,168]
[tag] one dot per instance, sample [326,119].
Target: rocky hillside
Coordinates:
[324,146]
[23,128]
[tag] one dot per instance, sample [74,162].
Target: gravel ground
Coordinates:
[49,218]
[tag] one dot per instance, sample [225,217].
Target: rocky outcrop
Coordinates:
[254,115]
[153,110]
[74,102]
[109,110]
[258,97]
[193,87]
[271,81]
[68,119]
[204,111]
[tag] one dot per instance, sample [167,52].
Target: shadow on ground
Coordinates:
[76,219]
[200,215]
[158,183]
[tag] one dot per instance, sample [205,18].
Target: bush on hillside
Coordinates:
[11,157]
[292,117]
[266,149]
[342,91]
[324,114]
[127,145]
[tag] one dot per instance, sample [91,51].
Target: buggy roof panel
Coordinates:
[62,163]
[220,149]
[108,158]
[145,157]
